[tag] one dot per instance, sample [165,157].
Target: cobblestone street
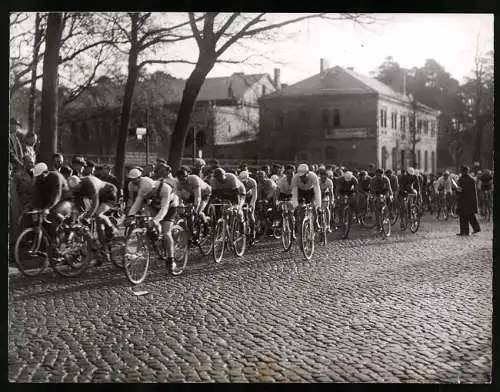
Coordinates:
[411,308]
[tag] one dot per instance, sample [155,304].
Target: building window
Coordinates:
[325,119]
[229,128]
[433,161]
[426,159]
[418,159]
[394,120]
[263,90]
[419,126]
[394,157]
[383,118]
[426,126]
[336,118]
[433,128]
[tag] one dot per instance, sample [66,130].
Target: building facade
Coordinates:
[224,122]
[342,117]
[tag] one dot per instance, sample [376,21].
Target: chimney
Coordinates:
[277,78]
[323,65]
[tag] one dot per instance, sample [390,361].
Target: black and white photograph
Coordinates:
[216,197]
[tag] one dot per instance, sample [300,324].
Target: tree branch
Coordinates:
[194,28]
[226,25]
[238,35]
[145,62]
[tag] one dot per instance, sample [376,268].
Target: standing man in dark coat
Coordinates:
[467,203]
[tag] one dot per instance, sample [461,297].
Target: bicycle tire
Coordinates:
[286,235]
[385,221]
[181,243]
[307,235]
[238,231]
[346,222]
[45,256]
[130,263]
[368,217]
[204,237]
[414,219]
[394,210]
[83,251]
[323,228]
[218,241]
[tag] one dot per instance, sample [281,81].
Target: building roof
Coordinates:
[214,89]
[220,88]
[338,80]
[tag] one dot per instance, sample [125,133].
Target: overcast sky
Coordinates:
[450,39]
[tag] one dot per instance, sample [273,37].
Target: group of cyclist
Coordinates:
[91,191]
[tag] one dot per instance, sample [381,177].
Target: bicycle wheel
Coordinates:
[394,213]
[204,237]
[238,237]
[346,222]
[218,241]
[323,227]
[116,251]
[307,238]
[181,249]
[31,252]
[414,219]
[73,253]
[286,235]
[368,217]
[385,219]
[137,256]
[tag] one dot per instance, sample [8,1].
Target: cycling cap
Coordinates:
[322,170]
[348,175]
[302,169]
[243,175]
[134,173]
[446,173]
[73,181]
[39,169]
[219,172]
[198,162]
[410,171]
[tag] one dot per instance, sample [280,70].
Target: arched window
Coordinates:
[426,161]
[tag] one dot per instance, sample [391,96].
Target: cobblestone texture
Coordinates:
[411,308]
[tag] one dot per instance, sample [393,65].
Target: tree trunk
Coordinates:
[125,115]
[48,126]
[32,98]
[191,90]
[478,143]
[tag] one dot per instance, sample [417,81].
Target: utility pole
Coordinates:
[147,136]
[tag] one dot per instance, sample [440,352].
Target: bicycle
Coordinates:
[383,218]
[366,215]
[228,229]
[199,233]
[487,205]
[263,220]
[287,224]
[306,231]
[393,212]
[68,253]
[409,213]
[149,241]
[442,212]
[345,215]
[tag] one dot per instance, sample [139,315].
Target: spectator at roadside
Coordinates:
[57,162]
[467,203]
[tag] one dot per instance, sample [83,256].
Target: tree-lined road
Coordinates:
[412,308]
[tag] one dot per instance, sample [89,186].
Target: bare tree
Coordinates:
[142,35]
[48,128]
[214,38]
[39,35]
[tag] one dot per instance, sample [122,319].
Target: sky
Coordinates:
[411,39]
